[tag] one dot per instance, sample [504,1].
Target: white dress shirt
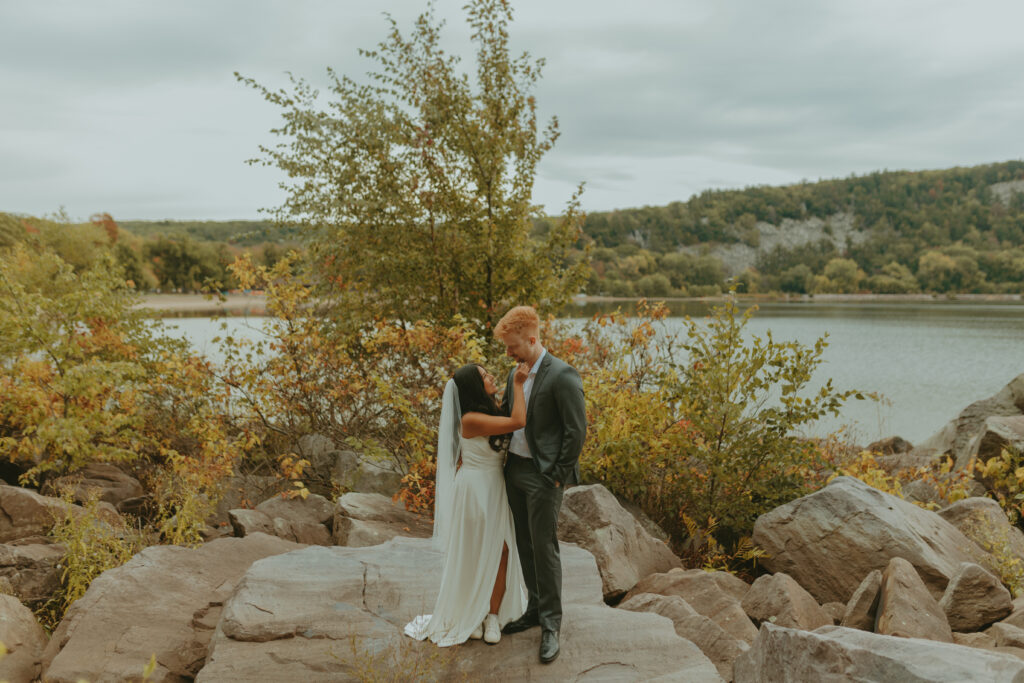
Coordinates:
[518,445]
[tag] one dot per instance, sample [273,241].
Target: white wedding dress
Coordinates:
[480,523]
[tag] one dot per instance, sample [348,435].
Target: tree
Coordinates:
[414,188]
[844,274]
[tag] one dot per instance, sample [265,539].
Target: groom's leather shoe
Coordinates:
[524,622]
[548,646]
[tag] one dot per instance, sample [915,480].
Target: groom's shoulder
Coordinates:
[559,366]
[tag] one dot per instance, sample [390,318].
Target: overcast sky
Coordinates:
[130,106]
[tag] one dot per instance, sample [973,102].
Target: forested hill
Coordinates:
[936,207]
[959,229]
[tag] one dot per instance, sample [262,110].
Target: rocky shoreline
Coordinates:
[859,585]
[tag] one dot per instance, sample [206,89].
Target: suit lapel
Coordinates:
[541,372]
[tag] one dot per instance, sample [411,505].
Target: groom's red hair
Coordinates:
[519,319]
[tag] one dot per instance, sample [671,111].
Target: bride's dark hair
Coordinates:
[473,398]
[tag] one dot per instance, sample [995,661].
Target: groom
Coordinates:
[543,458]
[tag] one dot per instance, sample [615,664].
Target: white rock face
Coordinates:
[833,654]
[831,539]
[328,614]
[593,519]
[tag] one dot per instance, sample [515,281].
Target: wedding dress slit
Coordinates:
[481,524]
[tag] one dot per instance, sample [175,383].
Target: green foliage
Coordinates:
[414,188]
[94,542]
[184,265]
[701,423]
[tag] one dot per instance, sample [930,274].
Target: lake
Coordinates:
[929,360]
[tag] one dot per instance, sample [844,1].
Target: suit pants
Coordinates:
[535,503]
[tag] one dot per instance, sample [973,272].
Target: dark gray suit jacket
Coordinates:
[556,419]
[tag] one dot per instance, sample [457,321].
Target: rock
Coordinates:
[862,609]
[245,491]
[303,520]
[593,519]
[720,647]
[31,570]
[998,433]
[107,482]
[365,519]
[362,474]
[982,640]
[25,513]
[834,653]
[890,446]
[831,539]
[245,522]
[716,595]
[983,521]
[1006,635]
[835,611]
[906,607]
[24,639]
[165,600]
[328,614]
[974,599]
[781,600]
[959,437]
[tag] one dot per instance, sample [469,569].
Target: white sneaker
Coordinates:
[492,632]
[477,633]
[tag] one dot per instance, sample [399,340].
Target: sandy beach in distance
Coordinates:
[198,304]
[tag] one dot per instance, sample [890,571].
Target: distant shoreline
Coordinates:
[183,305]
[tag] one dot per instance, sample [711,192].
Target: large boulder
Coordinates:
[781,600]
[328,614]
[365,519]
[24,640]
[716,595]
[100,479]
[998,432]
[164,601]
[906,608]
[831,539]
[307,520]
[983,521]
[25,513]
[834,653]
[974,599]
[720,647]
[593,519]
[31,570]
[959,438]
[363,474]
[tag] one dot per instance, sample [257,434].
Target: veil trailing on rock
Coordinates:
[449,447]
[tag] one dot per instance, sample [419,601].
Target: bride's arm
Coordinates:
[480,424]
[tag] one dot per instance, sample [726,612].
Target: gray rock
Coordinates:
[983,521]
[974,599]
[720,647]
[781,600]
[363,474]
[975,639]
[833,654]
[959,437]
[1017,615]
[997,433]
[716,595]
[328,614]
[245,491]
[164,601]
[107,482]
[593,519]
[245,522]
[835,610]
[303,520]
[906,607]
[31,570]
[365,519]
[862,609]
[831,539]
[1006,635]
[25,513]
[24,640]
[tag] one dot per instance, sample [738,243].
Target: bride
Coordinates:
[482,586]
